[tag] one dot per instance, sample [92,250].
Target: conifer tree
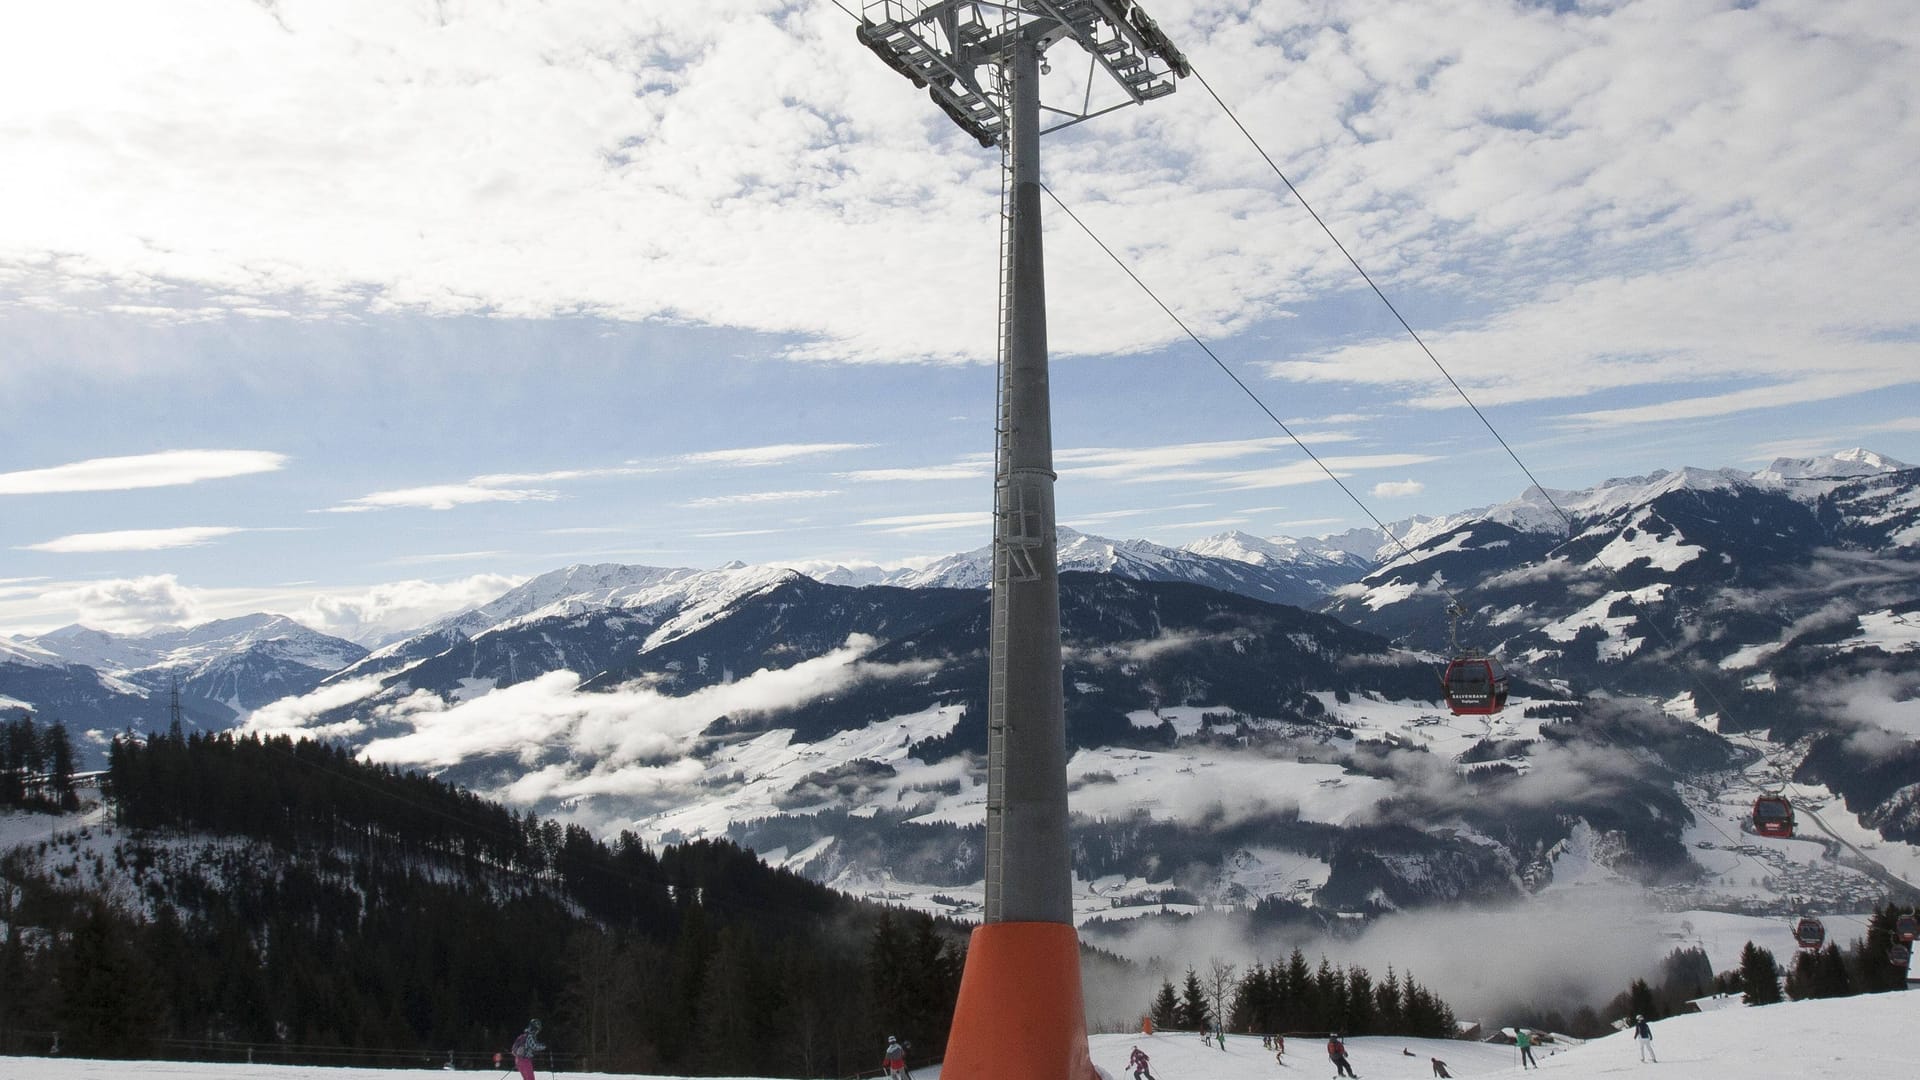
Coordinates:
[1640,1000]
[1760,974]
[1193,1004]
[1386,1003]
[1302,1008]
[1165,1012]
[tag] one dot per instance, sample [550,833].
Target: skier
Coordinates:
[896,1060]
[1525,1042]
[1337,1051]
[1643,1038]
[1137,1061]
[1440,1069]
[1219,1036]
[525,1045]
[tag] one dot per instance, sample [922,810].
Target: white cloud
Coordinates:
[164,469]
[1615,192]
[1212,523]
[368,614]
[134,539]
[1105,517]
[777,454]
[1397,489]
[753,497]
[959,470]
[295,715]
[440,497]
[628,726]
[127,605]
[1199,463]
[1307,472]
[449,556]
[917,523]
[558,476]
[1147,463]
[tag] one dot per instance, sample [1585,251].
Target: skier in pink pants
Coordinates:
[525,1045]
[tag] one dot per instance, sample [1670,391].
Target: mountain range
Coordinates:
[1252,720]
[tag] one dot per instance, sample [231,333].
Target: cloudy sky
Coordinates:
[365,310]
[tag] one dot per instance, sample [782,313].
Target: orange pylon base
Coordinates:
[1020,1015]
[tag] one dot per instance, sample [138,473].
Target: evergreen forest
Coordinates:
[271,900]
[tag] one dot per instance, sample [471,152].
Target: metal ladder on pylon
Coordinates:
[1004,557]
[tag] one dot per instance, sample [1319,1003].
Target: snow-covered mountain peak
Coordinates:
[175,648]
[21,651]
[1248,548]
[1845,464]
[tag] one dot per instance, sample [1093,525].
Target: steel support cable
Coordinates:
[1368,278]
[1424,348]
[1593,554]
[1666,641]
[1231,374]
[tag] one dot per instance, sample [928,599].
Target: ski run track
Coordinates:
[1860,1038]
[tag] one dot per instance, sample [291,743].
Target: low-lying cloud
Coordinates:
[634,740]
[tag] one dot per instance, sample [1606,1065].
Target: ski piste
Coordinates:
[1856,1038]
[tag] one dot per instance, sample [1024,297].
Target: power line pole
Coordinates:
[1019,1014]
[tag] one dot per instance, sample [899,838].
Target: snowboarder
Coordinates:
[1137,1061]
[896,1060]
[1440,1069]
[1643,1038]
[1524,1041]
[525,1045]
[1337,1052]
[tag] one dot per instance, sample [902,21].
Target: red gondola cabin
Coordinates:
[1773,816]
[1809,932]
[1906,928]
[1474,685]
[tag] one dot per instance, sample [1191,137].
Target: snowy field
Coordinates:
[1861,1038]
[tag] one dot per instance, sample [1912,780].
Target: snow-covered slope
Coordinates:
[670,601]
[1857,1038]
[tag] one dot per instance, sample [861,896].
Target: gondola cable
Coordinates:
[1594,555]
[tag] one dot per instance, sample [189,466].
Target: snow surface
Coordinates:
[1887,631]
[1857,1038]
[1617,644]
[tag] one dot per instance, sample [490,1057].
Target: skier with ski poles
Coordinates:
[1524,1041]
[525,1045]
[1137,1061]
